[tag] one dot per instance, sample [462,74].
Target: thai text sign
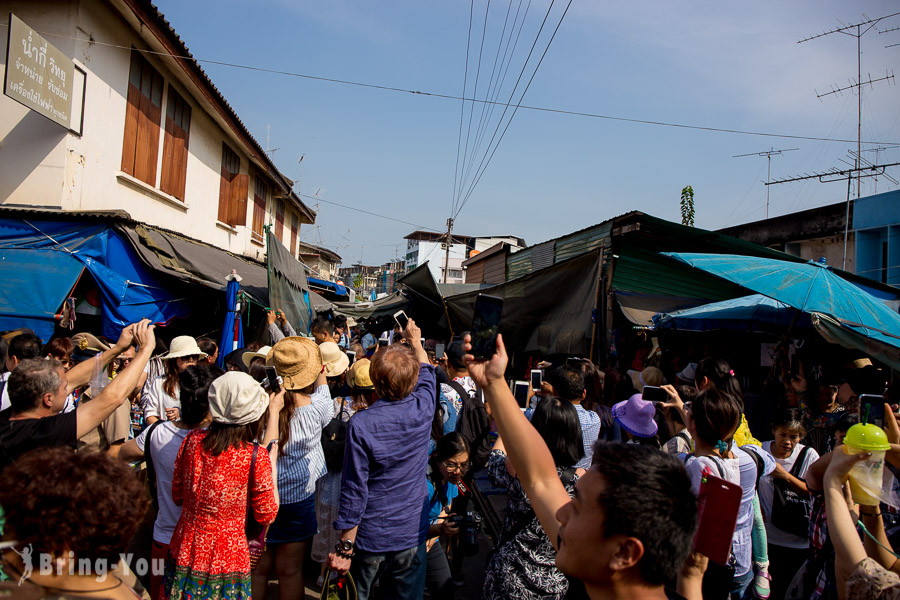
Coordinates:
[37,74]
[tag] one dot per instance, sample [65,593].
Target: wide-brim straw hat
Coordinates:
[184,345]
[235,398]
[297,360]
[635,416]
[360,377]
[248,356]
[335,361]
[649,376]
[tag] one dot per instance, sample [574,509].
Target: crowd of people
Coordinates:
[357,447]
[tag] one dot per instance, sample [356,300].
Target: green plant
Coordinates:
[687,206]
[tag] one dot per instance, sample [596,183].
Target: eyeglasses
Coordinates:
[125,361]
[461,468]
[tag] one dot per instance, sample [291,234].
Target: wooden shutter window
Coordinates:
[279,219]
[175,145]
[231,166]
[259,217]
[240,188]
[140,147]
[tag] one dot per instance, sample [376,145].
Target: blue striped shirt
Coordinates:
[303,461]
[590,431]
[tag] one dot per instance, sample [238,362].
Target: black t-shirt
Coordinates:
[20,436]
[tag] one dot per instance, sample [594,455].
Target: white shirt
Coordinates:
[164,446]
[767,491]
[155,400]
[4,398]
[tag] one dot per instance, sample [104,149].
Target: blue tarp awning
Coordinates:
[27,300]
[41,261]
[330,286]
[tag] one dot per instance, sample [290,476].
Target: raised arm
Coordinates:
[80,374]
[91,414]
[414,335]
[525,447]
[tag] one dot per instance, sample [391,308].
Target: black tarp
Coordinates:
[194,262]
[548,311]
[288,288]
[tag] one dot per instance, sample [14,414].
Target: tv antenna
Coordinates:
[833,175]
[877,151]
[856,30]
[269,151]
[768,154]
[889,31]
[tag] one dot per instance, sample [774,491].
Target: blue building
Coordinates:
[876,222]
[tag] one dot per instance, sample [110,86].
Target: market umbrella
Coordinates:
[756,313]
[232,332]
[811,287]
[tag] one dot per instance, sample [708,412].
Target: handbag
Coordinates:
[334,435]
[338,588]
[256,532]
[789,510]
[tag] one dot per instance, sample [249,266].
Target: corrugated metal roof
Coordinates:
[518,264]
[542,256]
[582,241]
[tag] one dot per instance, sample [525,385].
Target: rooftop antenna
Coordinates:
[856,30]
[768,154]
[889,31]
[300,169]
[877,151]
[273,150]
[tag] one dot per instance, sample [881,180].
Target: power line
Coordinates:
[505,129]
[386,88]
[505,108]
[366,212]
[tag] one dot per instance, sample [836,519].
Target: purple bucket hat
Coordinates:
[636,416]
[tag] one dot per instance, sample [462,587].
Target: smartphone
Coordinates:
[486,325]
[718,505]
[537,378]
[654,394]
[871,409]
[272,376]
[439,351]
[352,356]
[401,319]
[520,391]
[382,342]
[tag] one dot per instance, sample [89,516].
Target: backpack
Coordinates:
[334,436]
[474,425]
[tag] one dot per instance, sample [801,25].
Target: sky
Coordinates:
[415,157]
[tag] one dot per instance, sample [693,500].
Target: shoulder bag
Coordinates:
[789,510]
[334,436]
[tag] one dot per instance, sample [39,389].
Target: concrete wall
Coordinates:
[42,164]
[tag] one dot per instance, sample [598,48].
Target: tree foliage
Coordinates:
[687,206]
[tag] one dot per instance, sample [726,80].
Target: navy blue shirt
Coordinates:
[383,489]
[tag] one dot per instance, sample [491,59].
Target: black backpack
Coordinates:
[474,425]
[333,437]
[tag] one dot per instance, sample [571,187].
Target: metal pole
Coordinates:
[859,111]
[768,179]
[447,252]
[847,220]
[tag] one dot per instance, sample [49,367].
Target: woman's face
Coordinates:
[785,442]
[453,468]
[827,395]
[183,362]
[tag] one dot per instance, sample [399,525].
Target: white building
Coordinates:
[156,138]
[429,246]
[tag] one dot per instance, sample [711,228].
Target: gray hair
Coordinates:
[30,380]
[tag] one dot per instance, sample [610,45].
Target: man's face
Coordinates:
[62,392]
[584,552]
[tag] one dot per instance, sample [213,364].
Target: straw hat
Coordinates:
[335,361]
[184,345]
[649,376]
[235,398]
[636,416]
[262,353]
[359,377]
[297,360]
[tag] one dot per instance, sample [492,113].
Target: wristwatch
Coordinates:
[344,548]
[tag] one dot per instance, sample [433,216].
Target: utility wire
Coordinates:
[462,109]
[505,129]
[505,108]
[559,111]
[425,227]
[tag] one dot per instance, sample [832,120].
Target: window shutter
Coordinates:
[240,187]
[225,196]
[175,145]
[149,115]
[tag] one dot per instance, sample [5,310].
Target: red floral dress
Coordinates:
[208,555]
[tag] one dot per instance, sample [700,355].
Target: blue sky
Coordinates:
[713,64]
